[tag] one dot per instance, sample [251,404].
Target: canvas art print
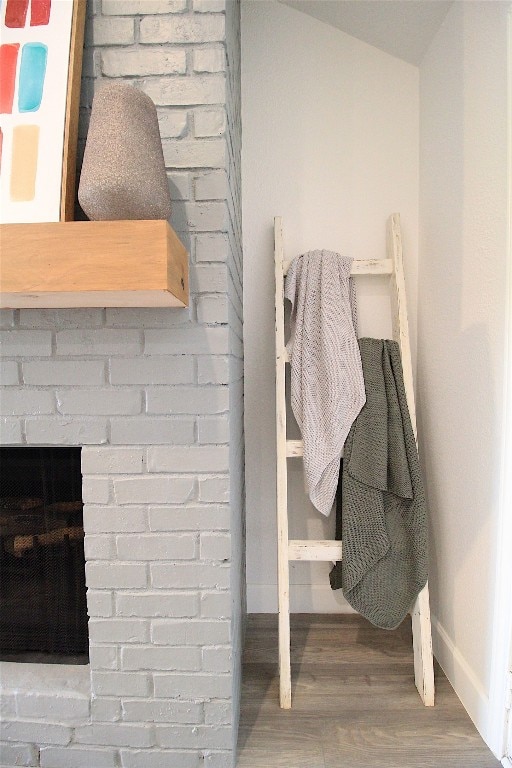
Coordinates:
[35,40]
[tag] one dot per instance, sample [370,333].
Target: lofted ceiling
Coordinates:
[403,28]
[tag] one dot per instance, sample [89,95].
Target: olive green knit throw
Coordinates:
[384,512]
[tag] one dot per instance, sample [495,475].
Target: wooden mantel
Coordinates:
[92,264]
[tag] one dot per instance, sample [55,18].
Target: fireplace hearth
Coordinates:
[43,612]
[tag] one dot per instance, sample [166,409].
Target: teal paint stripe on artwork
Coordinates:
[31,77]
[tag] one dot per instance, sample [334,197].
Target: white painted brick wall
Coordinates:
[104,656]
[209,122]
[217,659]
[78,757]
[188,459]
[147,392]
[121,62]
[7,318]
[64,372]
[212,310]
[213,489]
[121,683]
[103,402]
[152,370]
[211,186]
[196,153]
[173,124]
[25,343]
[188,28]
[10,431]
[192,686]
[162,711]
[185,400]
[208,6]
[96,490]
[17,402]
[213,370]
[213,430]
[116,734]
[110,31]
[153,490]
[51,319]
[161,547]
[210,278]
[9,373]
[211,247]
[99,603]
[211,59]
[116,575]
[18,754]
[140,7]
[188,575]
[65,431]
[196,518]
[160,759]
[119,631]
[149,657]
[66,709]
[113,520]
[150,431]
[33,731]
[156,604]
[195,340]
[106,710]
[189,90]
[101,341]
[190,632]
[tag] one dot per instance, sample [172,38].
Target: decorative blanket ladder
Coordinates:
[332,550]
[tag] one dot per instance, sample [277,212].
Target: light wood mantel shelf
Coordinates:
[92,264]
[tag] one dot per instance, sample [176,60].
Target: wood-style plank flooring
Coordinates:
[354,702]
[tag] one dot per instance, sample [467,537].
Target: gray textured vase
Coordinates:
[123,172]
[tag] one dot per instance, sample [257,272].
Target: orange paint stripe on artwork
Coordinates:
[8,61]
[25,146]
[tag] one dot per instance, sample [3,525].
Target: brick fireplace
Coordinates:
[154,399]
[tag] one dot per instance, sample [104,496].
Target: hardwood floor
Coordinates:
[354,702]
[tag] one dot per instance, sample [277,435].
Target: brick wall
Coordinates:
[155,396]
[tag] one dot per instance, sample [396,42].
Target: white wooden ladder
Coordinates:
[332,550]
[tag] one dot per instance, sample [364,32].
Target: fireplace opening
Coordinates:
[43,610]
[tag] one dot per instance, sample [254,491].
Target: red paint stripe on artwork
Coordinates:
[16,13]
[8,60]
[40,12]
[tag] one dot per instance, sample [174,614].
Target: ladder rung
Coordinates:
[372,267]
[363,267]
[314,550]
[294,448]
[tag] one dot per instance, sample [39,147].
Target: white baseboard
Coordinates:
[506,762]
[462,678]
[304,598]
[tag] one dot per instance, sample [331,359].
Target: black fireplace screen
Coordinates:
[42,564]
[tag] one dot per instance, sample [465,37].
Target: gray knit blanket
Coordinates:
[383,506]
[327,387]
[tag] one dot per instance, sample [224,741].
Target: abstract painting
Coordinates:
[35,40]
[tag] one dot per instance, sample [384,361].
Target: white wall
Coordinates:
[330,142]
[461,333]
